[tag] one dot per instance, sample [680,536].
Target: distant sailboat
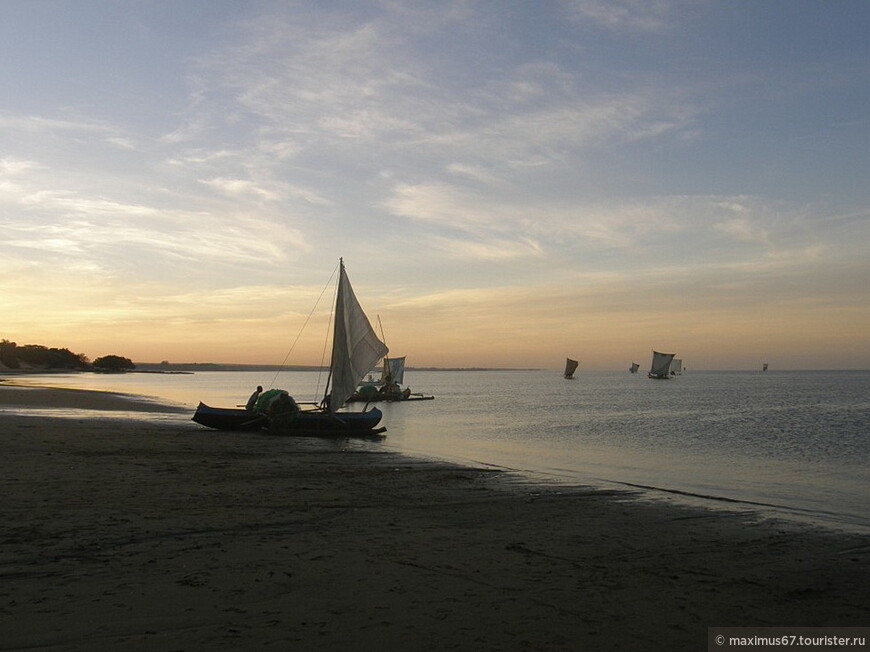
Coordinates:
[764,367]
[570,368]
[634,367]
[393,371]
[388,386]
[661,365]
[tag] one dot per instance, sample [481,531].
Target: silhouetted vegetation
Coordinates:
[36,356]
[7,354]
[40,357]
[113,363]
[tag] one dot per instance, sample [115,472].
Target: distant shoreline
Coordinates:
[192,367]
[214,366]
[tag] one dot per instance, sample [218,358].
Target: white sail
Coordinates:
[661,363]
[355,346]
[394,370]
[570,367]
[676,366]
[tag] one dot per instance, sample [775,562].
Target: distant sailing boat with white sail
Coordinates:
[764,367]
[661,365]
[634,367]
[570,368]
[388,387]
[355,350]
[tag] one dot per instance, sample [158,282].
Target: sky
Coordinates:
[510,183]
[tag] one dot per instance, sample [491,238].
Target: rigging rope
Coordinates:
[307,319]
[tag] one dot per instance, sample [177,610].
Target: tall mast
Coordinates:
[335,316]
[387,373]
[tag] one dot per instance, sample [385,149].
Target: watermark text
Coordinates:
[806,639]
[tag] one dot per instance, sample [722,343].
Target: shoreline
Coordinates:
[25,396]
[156,536]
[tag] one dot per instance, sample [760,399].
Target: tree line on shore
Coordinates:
[36,356]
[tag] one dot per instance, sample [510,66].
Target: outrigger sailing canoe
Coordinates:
[310,422]
[388,387]
[661,365]
[570,368]
[355,350]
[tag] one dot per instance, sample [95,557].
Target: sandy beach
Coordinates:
[144,534]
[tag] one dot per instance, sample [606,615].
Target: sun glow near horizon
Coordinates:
[523,327]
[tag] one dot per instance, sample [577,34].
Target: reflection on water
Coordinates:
[103,415]
[798,440]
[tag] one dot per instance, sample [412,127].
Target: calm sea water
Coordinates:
[796,444]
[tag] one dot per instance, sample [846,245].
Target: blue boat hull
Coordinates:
[307,423]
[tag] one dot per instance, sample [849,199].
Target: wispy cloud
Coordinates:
[586,226]
[36,123]
[112,235]
[742,229]
[343,85]
[240,187]
[12,167]
[642,15]
[66,203]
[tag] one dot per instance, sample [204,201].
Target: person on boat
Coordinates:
[252,401]
[389,389]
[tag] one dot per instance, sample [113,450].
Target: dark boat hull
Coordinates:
[389,398]
[228,418]
[313,423]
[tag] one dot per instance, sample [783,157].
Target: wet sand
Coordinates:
[148,534]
